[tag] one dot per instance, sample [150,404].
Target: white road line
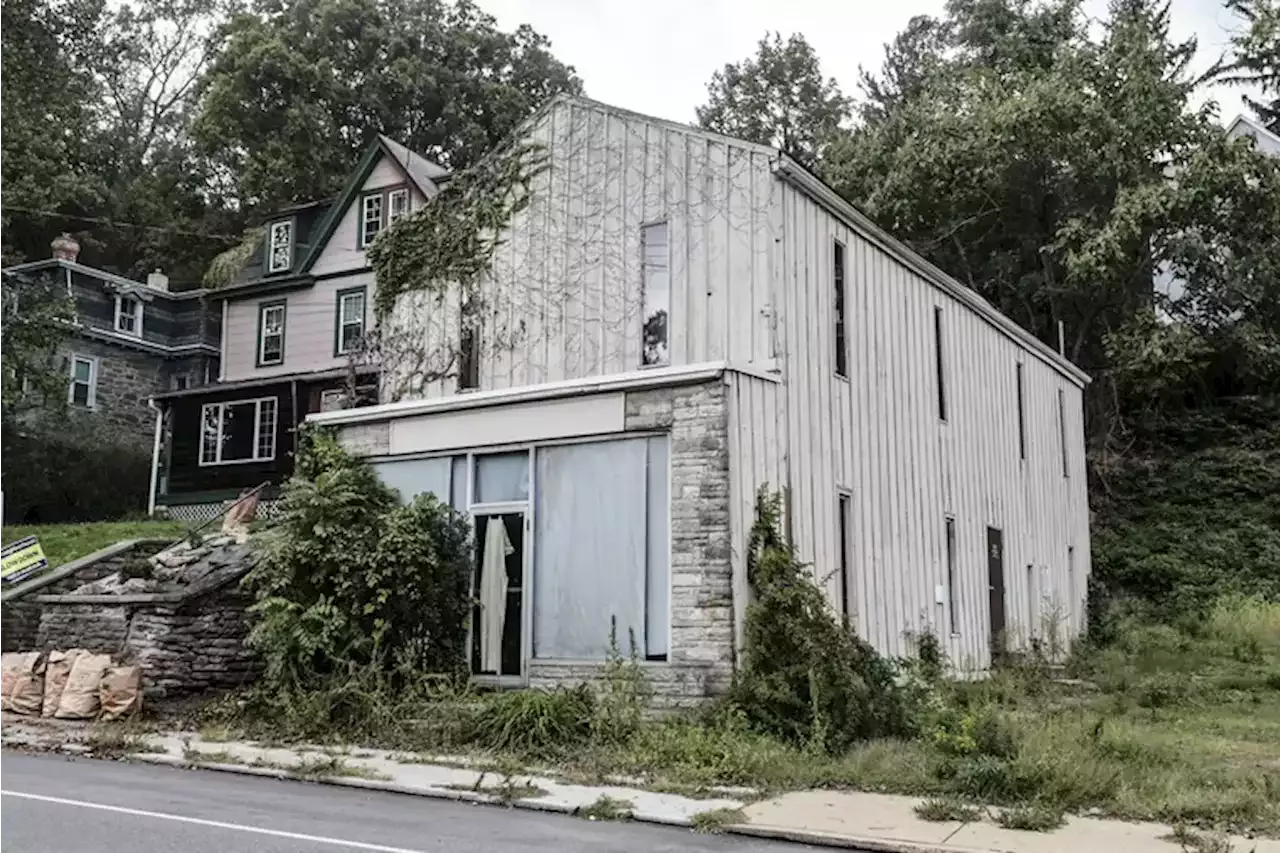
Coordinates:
[296,836]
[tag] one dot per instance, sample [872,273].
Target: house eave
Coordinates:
[802,179]
[651,377]
[142,344]
[262,381]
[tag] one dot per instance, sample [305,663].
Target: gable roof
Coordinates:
[421,172]
[1268,140]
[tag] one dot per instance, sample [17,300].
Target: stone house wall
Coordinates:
[126,379]
[21,612]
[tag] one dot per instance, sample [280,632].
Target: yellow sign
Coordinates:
[21,559]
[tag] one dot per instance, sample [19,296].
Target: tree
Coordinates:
[778,97]
[1256,56]
[35,321]
[1034,163]
[298,90]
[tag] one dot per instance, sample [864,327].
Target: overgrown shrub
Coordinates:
[805,677]
[537,723]
[350,580]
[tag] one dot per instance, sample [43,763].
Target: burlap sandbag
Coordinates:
[121,692]
[28,688]
[56,672]
[10,665]
[79,700]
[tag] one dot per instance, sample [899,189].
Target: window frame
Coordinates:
[645,228]
[839,281]
[338,324]
[136,331]
[940,364]
[389,206]
[951,554]
[263,308]
[223,405]
[363,240]
[270,259]
[91,397]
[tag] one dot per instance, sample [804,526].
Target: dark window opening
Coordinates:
[938,363]
[952,619]
[842,355]
[843,508]
[1022,418]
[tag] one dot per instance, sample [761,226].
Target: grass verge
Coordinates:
[63,543]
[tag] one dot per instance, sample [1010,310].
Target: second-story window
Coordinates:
[350,320]
[270,333]
[129,315]
[837,281]
[370,218]
[280,246]
[655,342]
[397,205]
[84,382]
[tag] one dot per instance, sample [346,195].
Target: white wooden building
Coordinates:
[689,317]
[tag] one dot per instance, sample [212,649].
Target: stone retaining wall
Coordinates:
[183,647]
[21,612]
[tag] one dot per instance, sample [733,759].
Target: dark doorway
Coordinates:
[995,591]
[512,639]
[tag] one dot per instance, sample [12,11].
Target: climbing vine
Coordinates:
[451,241]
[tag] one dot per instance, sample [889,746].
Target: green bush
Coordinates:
[348,579]
[805,677]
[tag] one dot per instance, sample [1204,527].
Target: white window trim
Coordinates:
[137,315]
[381,198]
[91,402]
[262,336]
[364,308]
[257,427]
[271,255]
[392,195]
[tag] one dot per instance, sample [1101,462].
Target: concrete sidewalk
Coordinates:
[859,821]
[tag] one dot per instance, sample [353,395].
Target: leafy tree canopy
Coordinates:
[1255,59]
[777,97]
[299,89]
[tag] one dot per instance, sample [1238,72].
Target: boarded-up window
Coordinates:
[602,553]
[655,295]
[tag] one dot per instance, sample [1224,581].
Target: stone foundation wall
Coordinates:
[21,612]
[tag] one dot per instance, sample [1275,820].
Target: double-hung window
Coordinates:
[350,320]
[84,382]
[397,205]
[371,207]
[280,246]
[129,315]
[238,431]
[270,333]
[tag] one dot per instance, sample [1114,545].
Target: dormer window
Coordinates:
[280,246]
[370,218]
[129,315]
[397,206]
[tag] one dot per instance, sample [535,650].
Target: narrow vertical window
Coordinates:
[84,381]
[1022,417]
[129,315]
[655,295]
[468,350]
[350,326]
[1071,583]
[280,246]
[397,206]
[843,508]
[270,334]
[939,365]
[370,218]
[837,281]
[1033,617]
[952,619]
[1062,431]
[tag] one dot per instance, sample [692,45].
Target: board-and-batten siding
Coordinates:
[878,436]
[564,295]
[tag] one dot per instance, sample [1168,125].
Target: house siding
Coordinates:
[343,253]
[878,436]
[310,329]
[564,294]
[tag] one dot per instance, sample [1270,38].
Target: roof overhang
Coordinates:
[263,381]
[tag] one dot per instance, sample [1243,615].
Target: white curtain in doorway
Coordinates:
[589,547]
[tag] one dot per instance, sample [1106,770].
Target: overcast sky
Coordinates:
[656,57]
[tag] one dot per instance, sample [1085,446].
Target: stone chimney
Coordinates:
[65,247]
[158,280]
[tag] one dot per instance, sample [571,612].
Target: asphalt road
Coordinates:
[52,804]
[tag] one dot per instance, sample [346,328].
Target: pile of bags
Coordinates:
[71,685]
